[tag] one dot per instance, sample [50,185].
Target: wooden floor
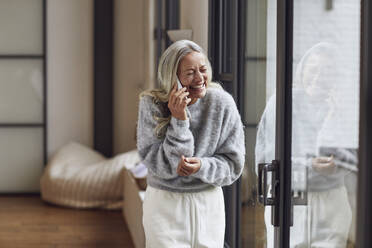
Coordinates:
[26,221]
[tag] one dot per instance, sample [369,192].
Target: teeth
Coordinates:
[198,87]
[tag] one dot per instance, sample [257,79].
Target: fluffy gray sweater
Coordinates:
[213,133]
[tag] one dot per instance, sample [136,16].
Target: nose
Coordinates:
[198,76]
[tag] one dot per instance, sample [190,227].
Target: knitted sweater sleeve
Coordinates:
[226,164]
[162,155]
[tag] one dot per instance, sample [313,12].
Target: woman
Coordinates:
[192,142]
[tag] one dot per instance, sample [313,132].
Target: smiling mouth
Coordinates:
[197,87]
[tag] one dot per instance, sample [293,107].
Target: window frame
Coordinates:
[44,123]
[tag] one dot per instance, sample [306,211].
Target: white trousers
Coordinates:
[176,220]
[323,223]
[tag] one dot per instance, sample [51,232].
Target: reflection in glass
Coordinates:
[316,223]
[325,122]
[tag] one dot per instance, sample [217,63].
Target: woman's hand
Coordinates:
[188,166]
[323,165]
[178,101]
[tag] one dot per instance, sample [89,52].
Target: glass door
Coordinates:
[325,122]
[301,113]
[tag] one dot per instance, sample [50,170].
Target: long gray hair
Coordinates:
[167,77]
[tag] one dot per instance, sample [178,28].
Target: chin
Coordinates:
[200,95]
[203,94]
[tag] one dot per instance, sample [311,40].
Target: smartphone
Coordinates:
[179,85]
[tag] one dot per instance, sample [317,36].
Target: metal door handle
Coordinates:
[263,169]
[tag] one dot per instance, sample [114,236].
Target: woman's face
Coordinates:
[192,72]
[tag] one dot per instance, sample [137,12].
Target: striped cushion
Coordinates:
[77,176]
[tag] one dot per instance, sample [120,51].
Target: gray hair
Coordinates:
[167,77]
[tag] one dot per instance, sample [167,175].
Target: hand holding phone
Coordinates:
[179,85]
[178,101]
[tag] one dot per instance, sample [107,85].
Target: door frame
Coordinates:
[282,210]
[233,82]
[364,201]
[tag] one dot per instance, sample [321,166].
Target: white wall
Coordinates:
[69,72]
[133,66]
[70,66]
[194,15]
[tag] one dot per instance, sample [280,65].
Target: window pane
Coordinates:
[254,90]
[325,121]
[21,21]
[259,88]
[21,153]
[21,91]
